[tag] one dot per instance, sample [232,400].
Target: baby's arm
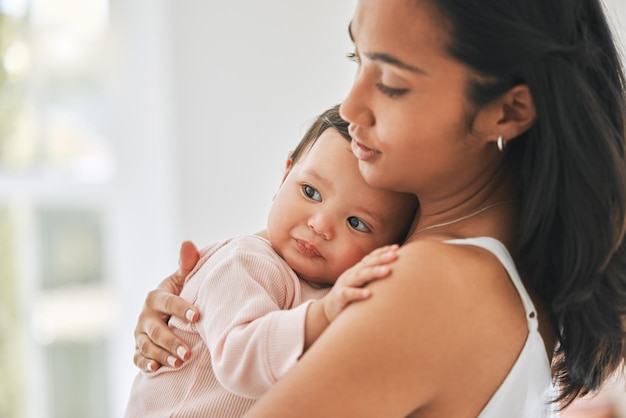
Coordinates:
[253,336]
[347,289]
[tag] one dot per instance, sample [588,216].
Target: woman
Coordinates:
[506,119]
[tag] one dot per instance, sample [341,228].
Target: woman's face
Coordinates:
[407,108]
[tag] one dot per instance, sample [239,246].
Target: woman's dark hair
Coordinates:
[570,169]
[329,119]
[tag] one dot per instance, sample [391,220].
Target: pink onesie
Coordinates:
[250,333]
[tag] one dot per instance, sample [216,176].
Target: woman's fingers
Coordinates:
[145,363]
[163,302]
[187,259]
[156,342]
[165,299]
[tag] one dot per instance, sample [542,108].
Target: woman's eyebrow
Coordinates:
[387,58]
[390,59]
[350,31]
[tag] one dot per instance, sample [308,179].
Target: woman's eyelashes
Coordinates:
[390,91]
[358,224]
[386,90]
[311,193]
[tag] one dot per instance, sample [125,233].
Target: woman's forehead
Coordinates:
[384,26]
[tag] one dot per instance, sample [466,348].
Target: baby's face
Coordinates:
[325,218]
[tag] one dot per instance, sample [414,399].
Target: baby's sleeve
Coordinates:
[253,336]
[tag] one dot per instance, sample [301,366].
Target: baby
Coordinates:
[265,298]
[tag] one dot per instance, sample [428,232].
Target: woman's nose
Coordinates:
[355,107]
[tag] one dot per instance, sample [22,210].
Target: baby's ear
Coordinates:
[288,165]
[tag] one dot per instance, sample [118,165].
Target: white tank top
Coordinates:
[528,388]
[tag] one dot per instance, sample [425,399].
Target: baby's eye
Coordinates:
[358,224]
[312,193]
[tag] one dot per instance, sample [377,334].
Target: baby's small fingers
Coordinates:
[381,256]
[364,275]
[352,294]
[383,250]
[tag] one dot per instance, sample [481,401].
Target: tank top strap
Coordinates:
[500,251]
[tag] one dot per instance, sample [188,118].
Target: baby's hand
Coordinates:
[348,287]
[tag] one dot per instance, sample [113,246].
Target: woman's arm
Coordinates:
[154,341]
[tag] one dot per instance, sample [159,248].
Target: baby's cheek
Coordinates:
[352,256]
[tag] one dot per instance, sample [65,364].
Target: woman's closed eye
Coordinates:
[311,193]
[390,91]
[357,224]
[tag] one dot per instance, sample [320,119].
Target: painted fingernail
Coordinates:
[182,353]
[190,314]
[171,360]
[149,366]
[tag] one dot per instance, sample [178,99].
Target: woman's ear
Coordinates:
[519,112]
[508,116]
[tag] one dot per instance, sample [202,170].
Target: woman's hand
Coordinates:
[156,345]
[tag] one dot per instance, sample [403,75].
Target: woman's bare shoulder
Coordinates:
[459,313]
[426,332]
[441,264]
[456,281]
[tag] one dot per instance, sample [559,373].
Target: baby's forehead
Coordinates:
[306,149]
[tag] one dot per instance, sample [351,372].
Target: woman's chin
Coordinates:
[373,176]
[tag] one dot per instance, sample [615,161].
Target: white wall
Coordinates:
[248,78]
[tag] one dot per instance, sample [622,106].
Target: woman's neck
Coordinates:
[471,212]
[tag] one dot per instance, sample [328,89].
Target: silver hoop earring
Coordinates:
[501,143]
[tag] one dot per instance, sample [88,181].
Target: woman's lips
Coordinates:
[307,249]
[361,152]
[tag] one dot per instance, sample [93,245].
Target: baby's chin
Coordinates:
[317,285]
[316,282]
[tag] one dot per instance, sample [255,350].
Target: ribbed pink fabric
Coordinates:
[247,338]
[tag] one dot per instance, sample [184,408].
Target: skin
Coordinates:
[440,334]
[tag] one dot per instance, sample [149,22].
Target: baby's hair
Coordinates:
[329,119]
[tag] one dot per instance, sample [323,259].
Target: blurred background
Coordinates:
[125,128]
